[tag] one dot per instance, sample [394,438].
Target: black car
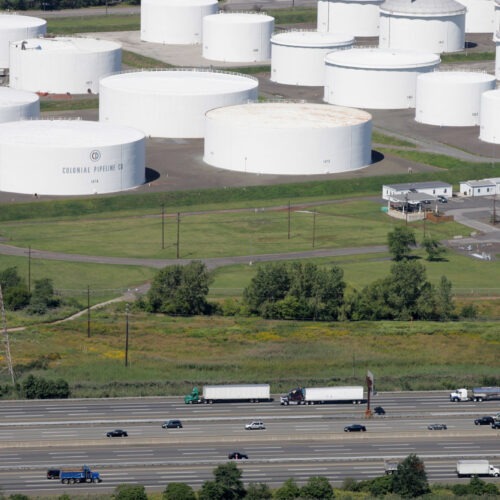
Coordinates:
[172,424]
[355,428]
[437,427]
[378,410]
[53,473]
[484,421]
[496,425]
[442,199]
[117,433]
[236,455]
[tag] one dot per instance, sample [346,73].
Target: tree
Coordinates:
[258,491]
[40,388]
[180,289]
[399,241]
[210,490]
[433,248]
[288,491]
[229,477]
[42,297]
[317,487]
[445,304]
[178,491]
[130,492]
[410,479]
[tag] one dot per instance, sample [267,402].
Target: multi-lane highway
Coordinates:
[299,441]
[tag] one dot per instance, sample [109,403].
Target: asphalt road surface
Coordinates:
[299,441]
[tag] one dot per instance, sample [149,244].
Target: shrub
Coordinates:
[317,488]
[178,491]
[130,492]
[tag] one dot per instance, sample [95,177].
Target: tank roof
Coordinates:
[180,82]
[9,21]
[14,97]
[493,95]
[239,17]
[354,1]
[312,39]
[66,133]
[458,77]
[290,115]
[182,3]
[375,58]
[66,44]
[423,7]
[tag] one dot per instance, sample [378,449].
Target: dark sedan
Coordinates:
[117,433]
[237,455]
[437,427]
[355,428]
[378,410]
[484,421]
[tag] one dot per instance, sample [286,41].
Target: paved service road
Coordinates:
[299,441]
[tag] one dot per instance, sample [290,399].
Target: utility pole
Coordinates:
[314,228]
[178,233]
[29,269]
[88,311]
[126,335]
[289,220]
[6,340]
[163,226]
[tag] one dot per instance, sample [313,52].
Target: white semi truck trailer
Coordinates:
[252,393]
[471,468]
[476,394]
[321,395]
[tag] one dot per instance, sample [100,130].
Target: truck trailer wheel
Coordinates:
[64,481]
[96,480]
[71,481]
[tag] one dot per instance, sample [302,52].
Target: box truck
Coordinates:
[252,393]
[476,468]
[320,395]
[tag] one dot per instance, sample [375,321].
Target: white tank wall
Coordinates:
[497,55]
[375,86]
[480,16]
[254,146]
[451,99]
[70,157]
[438,35]
[497,16]
[356,17]
[14,27]
[489,129]
[18,105]
[237,37]
[175,21]
[171,103]
[62,65]
[302,65]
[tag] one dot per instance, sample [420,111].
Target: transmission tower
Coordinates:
[6,339]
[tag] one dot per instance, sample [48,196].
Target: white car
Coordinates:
[256,425]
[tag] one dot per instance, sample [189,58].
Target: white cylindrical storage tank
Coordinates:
[14,27]
[171,103]
[175,21]
[480,16]
[288,138]
[18,105]
[62,65]
[359,17]
[451,99]
[489,129]
[497,16]
[497,54]
[429,25]
[375,78]
[70,157]
[237,37]
[298,57]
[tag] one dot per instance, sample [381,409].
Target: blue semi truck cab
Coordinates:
[83,475]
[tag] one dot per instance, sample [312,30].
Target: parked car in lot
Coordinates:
[256,425]
[442,199]
[437,427]
[172,424]
[378,410]
[484,421]
[117,433]
[53,473]
[355,428]
[237,455]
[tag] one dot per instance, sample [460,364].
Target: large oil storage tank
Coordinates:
[70,157]
[359,17]
[451,98]
[171,103]
[62,65]
[429,25]
[497,16]
[177,22]
[18,105]
[480,16]
[288,138]
[237,36]
[298,57]
[497,54]
[489,128]
[375,78]
[14,27]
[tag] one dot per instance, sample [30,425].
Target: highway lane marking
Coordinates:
[469,447]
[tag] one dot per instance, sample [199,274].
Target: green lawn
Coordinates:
[91,24]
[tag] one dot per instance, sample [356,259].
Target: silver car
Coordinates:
[256,425]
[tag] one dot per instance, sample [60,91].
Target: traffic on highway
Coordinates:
[292,441]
